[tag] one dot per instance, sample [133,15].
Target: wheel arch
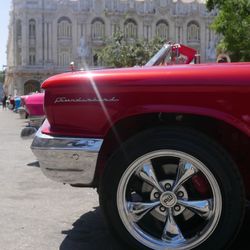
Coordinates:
[230,137]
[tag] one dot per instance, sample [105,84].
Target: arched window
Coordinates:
[162,29]
[97,29]
[130,29]
[64,28]
[32,28]
[193,32]
[31,86]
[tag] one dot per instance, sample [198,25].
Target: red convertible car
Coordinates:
[167,147]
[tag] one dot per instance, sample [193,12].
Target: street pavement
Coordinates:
[39,214]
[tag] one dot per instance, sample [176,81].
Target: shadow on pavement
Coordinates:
[90,233]
[34,164]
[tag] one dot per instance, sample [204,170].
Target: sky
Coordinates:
[4,22]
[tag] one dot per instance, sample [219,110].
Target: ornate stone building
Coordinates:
[46,35]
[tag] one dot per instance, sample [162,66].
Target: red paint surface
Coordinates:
[221,91]
[23,99]
[34,104]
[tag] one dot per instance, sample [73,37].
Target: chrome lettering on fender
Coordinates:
[63,99]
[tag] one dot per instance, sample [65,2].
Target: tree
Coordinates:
[233,23]
[120,52]
[2,76]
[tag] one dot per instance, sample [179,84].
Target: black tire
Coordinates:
[121,187]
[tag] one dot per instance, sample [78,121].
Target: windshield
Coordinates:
[171,54]
[160,55]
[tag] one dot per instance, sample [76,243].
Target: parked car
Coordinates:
[22,110]
[33,110]
[10,102]
[167,147]
[17,105]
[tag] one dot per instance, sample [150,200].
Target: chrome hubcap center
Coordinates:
[168,199]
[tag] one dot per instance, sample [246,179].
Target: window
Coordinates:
[64,28]
[97,29]
[162,30]
[130,29]
[64,57]
[32,57]
[193,32]
[32,28]
[19,56]
[19,28]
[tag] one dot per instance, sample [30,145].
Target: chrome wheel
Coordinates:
[168,199]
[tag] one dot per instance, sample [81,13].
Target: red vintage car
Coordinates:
[34,105]
[32,108]
[167,147]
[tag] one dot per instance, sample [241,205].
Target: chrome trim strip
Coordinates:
[66,159]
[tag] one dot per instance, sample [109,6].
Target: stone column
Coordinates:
[184,32]
[50,41]
[139,29]
[45,42]
[14,38]
[78,31]
[39,41]
[108,30]
[25,42]
[179,31]
[208,39]
[75,41]
[202,41]
[54,42]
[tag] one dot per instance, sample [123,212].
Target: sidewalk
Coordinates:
[36,213]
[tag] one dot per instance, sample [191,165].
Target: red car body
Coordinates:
[107,128]
[23,99]
[187,89]
[34,104]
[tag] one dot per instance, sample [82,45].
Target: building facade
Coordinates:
[46,35]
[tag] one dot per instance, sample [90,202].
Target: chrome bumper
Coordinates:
[36,121]
[22,112]
[65,159]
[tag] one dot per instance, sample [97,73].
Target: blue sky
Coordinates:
[4,22]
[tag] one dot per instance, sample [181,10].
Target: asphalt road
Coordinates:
[39,214]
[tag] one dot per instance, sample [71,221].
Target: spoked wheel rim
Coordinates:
[168,199]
